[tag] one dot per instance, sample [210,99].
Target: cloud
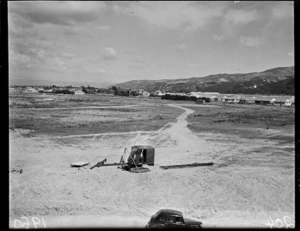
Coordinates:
[103,28]
[283,10]
[291,54]
[109,53]
[182,47]
[251,41]
[219,37]
[67,56]
[193,64]
[58,13]
[239,17]
[174,15]
[236,18]
[139,65]
[38,58]
[138,62]
[37,53]
[17,58]
[138,59]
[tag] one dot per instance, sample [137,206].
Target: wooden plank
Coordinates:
[186,165]
[79,164]
[112,164]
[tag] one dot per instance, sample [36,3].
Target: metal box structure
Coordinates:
[142,154]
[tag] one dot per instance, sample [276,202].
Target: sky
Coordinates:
[102,43]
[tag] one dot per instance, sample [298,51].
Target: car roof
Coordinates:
[170,211]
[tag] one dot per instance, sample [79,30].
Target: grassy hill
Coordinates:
[278,80]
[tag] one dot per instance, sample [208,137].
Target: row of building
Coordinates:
[199,97]
[204,97]
[76,91]
[58,90]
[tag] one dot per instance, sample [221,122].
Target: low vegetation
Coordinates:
[243,120]
[76,115]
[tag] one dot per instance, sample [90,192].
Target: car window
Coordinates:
[179,220]
[170,219]
[162,218]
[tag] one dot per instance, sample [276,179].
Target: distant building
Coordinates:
[231,99]
[79,92]
[140,91]
[30,90]
[12,89]
[146,94]
[158,93]
[290,102]
[264,100]
[272,101]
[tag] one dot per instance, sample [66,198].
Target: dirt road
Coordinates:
[245,187]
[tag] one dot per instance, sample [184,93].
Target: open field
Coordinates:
[252,146]
[72,114]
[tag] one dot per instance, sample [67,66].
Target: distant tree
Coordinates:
[115,89]
[83,88]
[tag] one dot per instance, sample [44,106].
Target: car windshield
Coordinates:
[179,220]
[171,219]
[162,218]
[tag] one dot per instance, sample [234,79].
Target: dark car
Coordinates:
[169,218]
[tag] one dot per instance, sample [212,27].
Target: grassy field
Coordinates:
[84,114]
[244,120]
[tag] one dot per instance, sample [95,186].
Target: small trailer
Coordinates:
[139,155]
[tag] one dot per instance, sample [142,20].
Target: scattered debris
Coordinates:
[133,161]
[80,164]
[16,170]
[99,164]
[186,165]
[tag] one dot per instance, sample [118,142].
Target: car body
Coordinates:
[170,218]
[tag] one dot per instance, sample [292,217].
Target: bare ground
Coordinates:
[252,179]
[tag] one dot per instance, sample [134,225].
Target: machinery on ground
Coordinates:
[134,160]
[140,155]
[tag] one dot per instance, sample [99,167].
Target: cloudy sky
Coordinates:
[110,42]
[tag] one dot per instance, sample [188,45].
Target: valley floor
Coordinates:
[251,183]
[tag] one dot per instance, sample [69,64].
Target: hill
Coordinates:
[278,80]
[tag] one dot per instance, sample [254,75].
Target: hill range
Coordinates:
[278,80]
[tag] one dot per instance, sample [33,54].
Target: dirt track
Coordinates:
[243,188]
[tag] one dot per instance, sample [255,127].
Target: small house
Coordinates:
[146,94]
[263,100]
[78,92]
[158,93]
[230,99]
[30,90]
[200,101]
[11,89]
[272,101]
[280,100]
